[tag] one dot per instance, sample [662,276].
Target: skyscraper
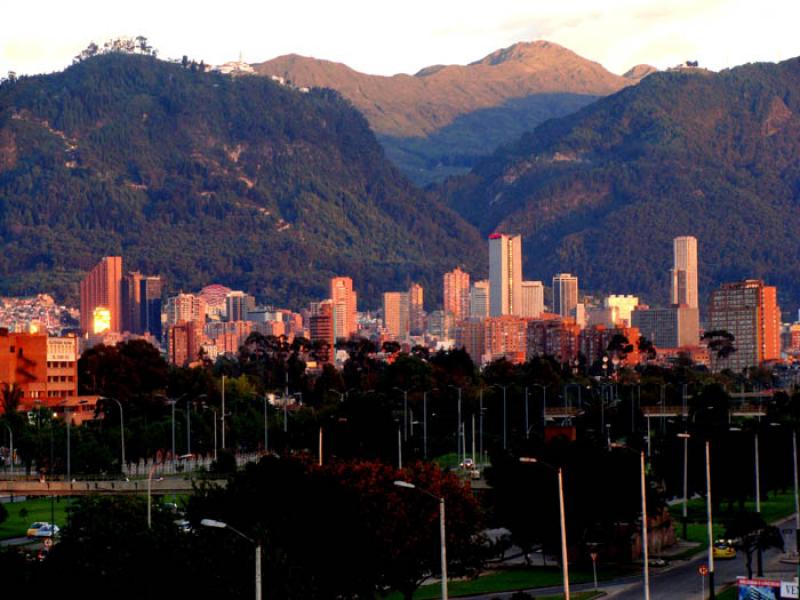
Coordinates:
[344,307]
[565,294]
[396,314]
[151,290]
[749,311]
[505,274]
[416,312]
[684,271]
[456,293]
[532,299]
[237,305]
[102,288]
[479,299]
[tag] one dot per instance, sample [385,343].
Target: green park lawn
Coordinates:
[38,510]
[512,579]
[774,507]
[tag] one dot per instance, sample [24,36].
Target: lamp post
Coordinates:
[711,593]
[222,417]
[405,412]
[221,525]
[543,386]
[505,414]
[458,428]
[121,431]
[796,501]
[442,535]
[645,548]
[685,436]
[562,518]
[10,448]
[425,421]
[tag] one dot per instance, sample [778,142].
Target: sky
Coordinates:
[385,37]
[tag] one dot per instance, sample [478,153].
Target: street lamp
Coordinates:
[442,536]
[425,420]
[458,428]
[122,431]
[221,525]
[505,413]
[712,593]
[11,448]
[564,557]
[562,518]
[405,412]
[685,436]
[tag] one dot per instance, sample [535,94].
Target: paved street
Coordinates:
[682,581]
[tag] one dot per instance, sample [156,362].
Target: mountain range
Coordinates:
[203,177]
[439,121]
[603,191]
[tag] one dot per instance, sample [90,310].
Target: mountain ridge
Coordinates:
[602,192]
[203,177]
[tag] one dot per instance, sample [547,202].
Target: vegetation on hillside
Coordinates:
[203,177]
[601,193]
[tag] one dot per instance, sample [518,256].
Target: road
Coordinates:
[682,581]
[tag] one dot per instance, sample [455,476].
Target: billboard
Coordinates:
[759,589]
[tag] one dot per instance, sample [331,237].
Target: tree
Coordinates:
[753,535]
[720,342]
[11,398]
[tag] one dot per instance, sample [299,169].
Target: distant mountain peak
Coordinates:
[524,52]
[639,72]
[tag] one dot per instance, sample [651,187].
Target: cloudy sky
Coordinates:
[383,37]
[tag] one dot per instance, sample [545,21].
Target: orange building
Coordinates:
[748,310]
[44,368]
[321,326]
[102,287]
[553,336]
[184,341]
[471,335]
[594,342]
[456,293]
[506,336]
[345,302]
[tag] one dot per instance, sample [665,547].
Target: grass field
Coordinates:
[773,508]
[510,580]
[38,510]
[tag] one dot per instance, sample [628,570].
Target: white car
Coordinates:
[41,529]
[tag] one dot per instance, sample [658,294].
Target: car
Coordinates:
[468,464]
[42,529]
[183,525]
[723,549]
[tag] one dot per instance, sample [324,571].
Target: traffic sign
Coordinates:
[703,570]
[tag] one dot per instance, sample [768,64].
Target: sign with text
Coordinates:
[758,589]
[789,589]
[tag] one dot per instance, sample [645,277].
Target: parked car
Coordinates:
[723,549]
[42,529]
[183,525]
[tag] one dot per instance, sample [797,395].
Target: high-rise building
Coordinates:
[532,299]
[684,271]
[141,303]
[565,294]
[621,308]
[505,274]
[416,310]
[671,327]
[470,334]
[151,291]
[506,336]
[102,287]
[749,311]
[344,308]
[554,337]
[237,305]
[396,314]
[456,293]
[321,329]
[184,342]
[479,299]
[184,308]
